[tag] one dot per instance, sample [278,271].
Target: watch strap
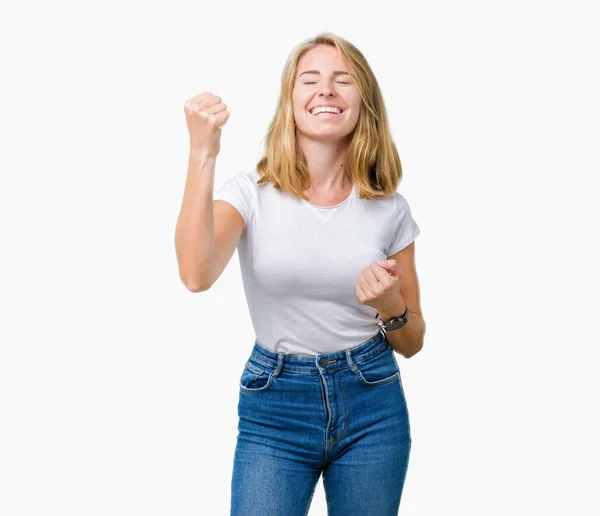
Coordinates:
[395,323]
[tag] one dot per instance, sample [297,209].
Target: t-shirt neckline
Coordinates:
[351,194]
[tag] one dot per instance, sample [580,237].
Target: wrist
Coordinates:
[386,317]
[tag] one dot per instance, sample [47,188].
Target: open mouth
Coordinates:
[327,113]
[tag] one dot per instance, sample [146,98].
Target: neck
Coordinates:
[326,163]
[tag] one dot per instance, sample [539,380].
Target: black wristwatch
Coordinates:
[395,323]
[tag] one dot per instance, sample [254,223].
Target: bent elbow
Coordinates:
[196,286]
[415,352]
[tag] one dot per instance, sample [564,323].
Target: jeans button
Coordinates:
[323,362]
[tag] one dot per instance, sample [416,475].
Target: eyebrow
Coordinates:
[335,74]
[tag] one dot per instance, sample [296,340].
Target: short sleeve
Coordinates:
[237,191]
[404,226]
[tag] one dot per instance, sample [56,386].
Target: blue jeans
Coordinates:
[342,414]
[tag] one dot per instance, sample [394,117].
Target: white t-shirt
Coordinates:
[300,263]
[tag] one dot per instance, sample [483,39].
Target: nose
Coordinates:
[326,91]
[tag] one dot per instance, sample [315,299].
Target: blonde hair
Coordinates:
[373,163]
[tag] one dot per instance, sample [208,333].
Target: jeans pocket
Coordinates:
[378,370]
[256,377]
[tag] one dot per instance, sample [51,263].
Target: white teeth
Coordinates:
[326,109]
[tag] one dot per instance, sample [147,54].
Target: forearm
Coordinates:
[194,236]
[407,340]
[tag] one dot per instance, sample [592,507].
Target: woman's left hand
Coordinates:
[378,286]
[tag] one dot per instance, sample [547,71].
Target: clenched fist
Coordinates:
[205,116]
[378,286]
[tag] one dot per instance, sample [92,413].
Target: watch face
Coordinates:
[397,322]
[394,324]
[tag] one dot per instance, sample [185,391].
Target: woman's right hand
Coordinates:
[205,116]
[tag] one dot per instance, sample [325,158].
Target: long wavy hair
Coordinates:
[373,163]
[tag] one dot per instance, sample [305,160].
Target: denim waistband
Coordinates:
[321,362]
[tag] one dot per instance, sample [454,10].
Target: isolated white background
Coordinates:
[119,387]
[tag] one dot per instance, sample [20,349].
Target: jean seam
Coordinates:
[333,441]
[254,369]
[266,364]
[265,387]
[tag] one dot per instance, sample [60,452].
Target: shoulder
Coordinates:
[248,179]
[401,204]
[399,200]
[243,181]
[393,205]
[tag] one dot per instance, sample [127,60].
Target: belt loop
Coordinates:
[280,357]
[351,364]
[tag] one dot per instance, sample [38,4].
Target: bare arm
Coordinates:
[195,231]
[207,230]
[409,339]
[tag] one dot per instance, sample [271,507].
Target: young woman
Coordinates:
[326,248]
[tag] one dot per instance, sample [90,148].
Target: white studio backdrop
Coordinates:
[119,387]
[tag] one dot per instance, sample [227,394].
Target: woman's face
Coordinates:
[319,83]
